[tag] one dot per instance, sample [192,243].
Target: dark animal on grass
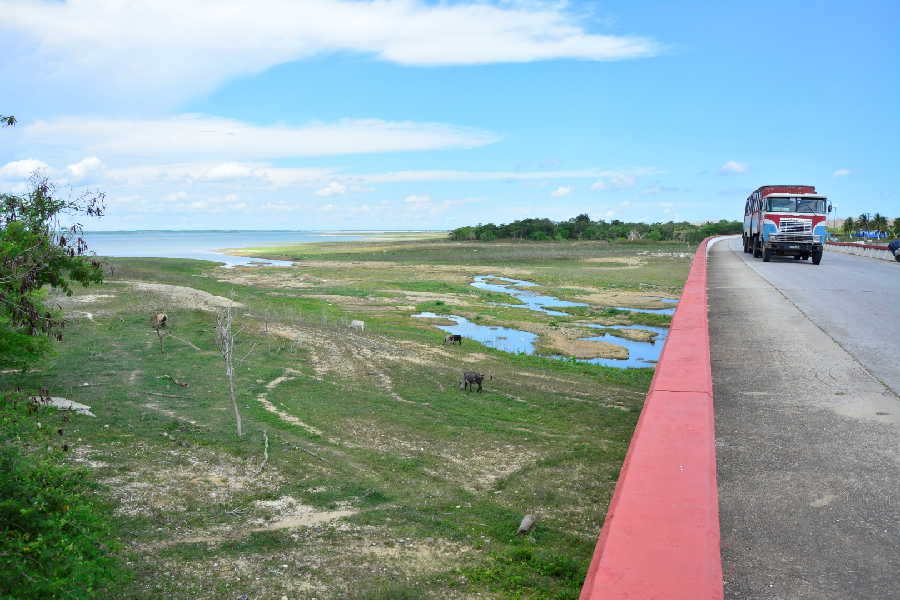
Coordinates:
[158,321]
[470,379]
[453,339]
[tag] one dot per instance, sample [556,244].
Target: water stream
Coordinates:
[640,354]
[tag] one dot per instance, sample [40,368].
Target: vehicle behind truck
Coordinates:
[785,220]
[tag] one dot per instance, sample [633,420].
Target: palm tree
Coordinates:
[897,226]
[879,222]
[863,222]
[849,225]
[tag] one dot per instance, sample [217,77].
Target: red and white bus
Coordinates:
[785,220]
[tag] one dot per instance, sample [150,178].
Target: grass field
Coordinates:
[380,478]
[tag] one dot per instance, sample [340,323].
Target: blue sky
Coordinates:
[328,114]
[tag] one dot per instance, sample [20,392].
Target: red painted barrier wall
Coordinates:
[853,245]
[660,540]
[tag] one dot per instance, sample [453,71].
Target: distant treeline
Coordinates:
[583,228]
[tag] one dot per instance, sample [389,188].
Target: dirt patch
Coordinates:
[565,341]
[623,298]
[625,261]
[284,416]
[480,469]
[185,296]
[637,335]
[176,479]
[169,413]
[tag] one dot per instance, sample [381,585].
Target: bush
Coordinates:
[55,535]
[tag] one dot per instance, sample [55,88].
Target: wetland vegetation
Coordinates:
[363,471]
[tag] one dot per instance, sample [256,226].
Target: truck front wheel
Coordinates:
[817,257]
[766,254]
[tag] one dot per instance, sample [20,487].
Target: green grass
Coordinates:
[438,473]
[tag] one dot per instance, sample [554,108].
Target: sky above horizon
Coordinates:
[406,114]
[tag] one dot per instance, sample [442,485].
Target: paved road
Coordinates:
[807,425]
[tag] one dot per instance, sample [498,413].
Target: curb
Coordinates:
[870,250]
[661,536]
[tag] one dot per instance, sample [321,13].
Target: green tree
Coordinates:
[863,221]
[879,222]
[35,252]
[849,225]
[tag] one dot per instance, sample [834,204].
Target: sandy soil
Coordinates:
[185,296]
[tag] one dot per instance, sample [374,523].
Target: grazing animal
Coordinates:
[526,525]
[452,339]
[358,325]
[158,321]
[471,379]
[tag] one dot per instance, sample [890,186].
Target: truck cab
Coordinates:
[785,220]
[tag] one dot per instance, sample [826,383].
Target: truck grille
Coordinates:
[793,230]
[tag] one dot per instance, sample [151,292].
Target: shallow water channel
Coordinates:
[640,354]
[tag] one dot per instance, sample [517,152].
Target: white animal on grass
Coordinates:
[358,325]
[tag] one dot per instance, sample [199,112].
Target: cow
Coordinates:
[158,321]
[452,339]
[470,379]
[360,325]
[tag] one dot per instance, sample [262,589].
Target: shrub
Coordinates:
[55,535]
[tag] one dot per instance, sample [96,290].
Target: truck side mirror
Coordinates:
[829,208]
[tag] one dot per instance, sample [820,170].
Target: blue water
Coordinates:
[204,245]
[501,338]
[640,354]
[530,300]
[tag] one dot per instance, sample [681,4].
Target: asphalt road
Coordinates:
[806,370]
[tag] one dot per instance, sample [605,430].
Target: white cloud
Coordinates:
[84,167]
[397,176]
[841,173]
[20,169]
[176,197]
[193,137]
[613,181]
[169,50]
[732,166]
[333,188]
[418,202]
[561,191]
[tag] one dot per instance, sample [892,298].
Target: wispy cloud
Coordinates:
[734,167]
[333,188]
[170,50]
[202,137]
[841,173]
[610,181]
[561,191]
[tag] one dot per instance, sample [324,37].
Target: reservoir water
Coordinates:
[205,245]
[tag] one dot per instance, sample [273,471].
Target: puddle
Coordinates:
[530,300]
[640,354]
[501,338]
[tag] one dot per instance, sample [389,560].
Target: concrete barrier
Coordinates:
[660,539]
[870,250]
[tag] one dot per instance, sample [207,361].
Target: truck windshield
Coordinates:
[794,204]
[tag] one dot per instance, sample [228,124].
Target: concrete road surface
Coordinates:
[806,374]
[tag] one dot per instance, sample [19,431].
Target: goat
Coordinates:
[361,325]
[470,379]
[452,339]
[158,321]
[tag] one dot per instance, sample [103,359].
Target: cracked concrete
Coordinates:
[808,439]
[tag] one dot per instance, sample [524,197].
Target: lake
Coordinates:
[203,245]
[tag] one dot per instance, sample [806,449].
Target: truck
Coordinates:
[785,220]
